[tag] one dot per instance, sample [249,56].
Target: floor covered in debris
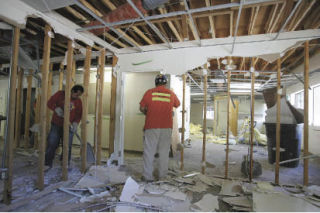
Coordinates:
[110,188]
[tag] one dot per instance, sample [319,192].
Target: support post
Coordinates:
[227,139]
[61,76]
[28,110]
[112,124]
[49,95]
[204,126]
[306,115]
[43,106]
[18,109]
[37,119]
[7,189]
[86,79]
[278,130]
[100,109]
[73,76]
[66,115]
[251,125]
[183,118]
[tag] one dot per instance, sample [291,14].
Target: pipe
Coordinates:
[237,24]
[287,20]
[177,13]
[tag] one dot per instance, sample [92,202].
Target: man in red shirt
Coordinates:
[157,104]
[56,104]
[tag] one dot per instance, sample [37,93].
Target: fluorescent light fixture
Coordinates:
[243,85]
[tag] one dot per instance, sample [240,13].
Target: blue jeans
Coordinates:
[54,138]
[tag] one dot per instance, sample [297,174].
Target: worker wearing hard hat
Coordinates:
[157,104]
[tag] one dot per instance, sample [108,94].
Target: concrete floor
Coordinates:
[26,169]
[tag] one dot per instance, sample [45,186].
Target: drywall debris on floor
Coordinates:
[231,188]
[99,176]
[280,202]
[209,203]
[241,201]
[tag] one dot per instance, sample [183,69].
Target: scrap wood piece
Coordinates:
[208,203]
[238,201]
[23,201]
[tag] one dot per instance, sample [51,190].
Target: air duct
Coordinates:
[125,12]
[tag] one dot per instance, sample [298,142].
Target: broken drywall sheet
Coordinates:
[238,201]
[177,195]
[264,186]
[231,188]
[95,197]
[184,180]
[313,190]
[281,203]
[130,188]
[207,180]
[208,203]
[154,189]
[198,187]
[99,176]
[154,200]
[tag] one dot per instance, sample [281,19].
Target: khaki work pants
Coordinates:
[156,140]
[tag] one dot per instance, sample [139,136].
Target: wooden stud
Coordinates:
[171,25]
[234,112]
[100,109]
[84,134]
[204,126]
[66,115]
[112,124]
[73,75]
[185,33]
[7,189]
[231,24]
[43,106]
[252,126]
[306,115]
[184,77]
[28,110]
[61,76]
[211,21]
[96,108]
[37,119]
[114,39]
[278,130]
[227,139]
[49,93]
[18,109]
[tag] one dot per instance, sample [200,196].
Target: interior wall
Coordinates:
[244,112]
[314,133]
[196,114]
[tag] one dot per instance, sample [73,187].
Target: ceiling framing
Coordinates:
[185,20]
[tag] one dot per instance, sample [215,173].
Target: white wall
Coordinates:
[176,85]
[314,133]
[196,114]
[244,111]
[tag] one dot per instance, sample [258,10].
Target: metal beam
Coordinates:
[153,27]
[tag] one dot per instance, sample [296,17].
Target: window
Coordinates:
[298,100]
[316,105]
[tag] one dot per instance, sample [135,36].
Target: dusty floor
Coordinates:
[25,175]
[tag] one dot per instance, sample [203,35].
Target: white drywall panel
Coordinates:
[136,84]
[196,114]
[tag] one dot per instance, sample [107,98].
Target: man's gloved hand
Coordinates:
[74,127]
[59,111]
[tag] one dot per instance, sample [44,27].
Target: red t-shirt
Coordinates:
[159,102]
[57,100]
